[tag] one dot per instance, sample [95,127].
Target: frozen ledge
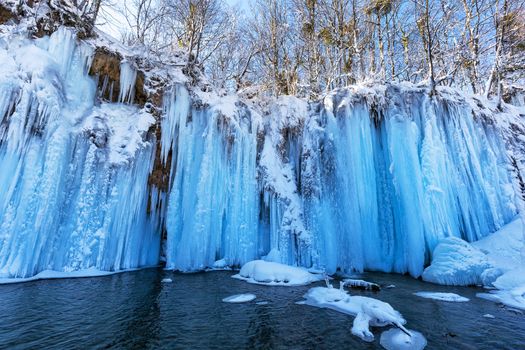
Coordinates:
[51,274]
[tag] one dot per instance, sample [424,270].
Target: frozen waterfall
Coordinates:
[365,179]
[375,187]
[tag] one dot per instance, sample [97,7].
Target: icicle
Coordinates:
[128,78]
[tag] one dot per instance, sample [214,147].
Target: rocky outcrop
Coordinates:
[106,67]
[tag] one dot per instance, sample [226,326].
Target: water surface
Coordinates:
[136,310]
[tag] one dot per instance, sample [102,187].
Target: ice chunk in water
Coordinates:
[442,296]
[395,339]
[367,311]
[239,298]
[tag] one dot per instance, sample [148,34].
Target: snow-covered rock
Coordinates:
[272,273]
[361,284]
[456,262]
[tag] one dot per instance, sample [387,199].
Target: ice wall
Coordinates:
[72,193]
[365,180]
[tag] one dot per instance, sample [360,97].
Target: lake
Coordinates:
[136,310]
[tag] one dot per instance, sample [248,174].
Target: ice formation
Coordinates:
[452,297]
[275,274]
[367,311]
[368,178]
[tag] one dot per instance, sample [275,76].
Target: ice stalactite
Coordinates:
[128,77]
[71,196]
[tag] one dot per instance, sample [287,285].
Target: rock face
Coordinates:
[6,14]
[106,67]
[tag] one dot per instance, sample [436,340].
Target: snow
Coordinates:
[510,289]
[395,339]
[503,247]
[452,297]
[367,311]
[239,298]
[122,127]
[220,264]
[275,274]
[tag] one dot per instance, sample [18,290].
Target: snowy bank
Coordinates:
[275,274]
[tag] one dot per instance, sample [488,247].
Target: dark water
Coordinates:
[136,311]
